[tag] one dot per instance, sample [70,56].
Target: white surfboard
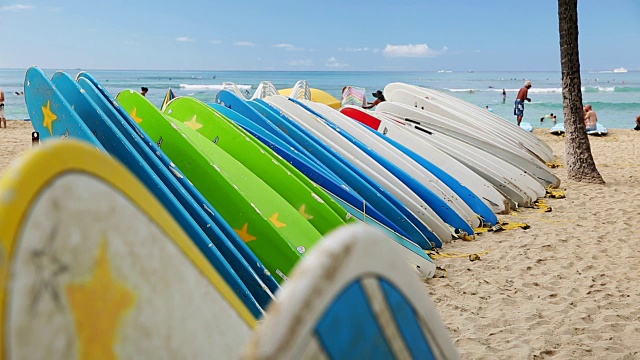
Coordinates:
[460,107]
[398,158]
[93,265]
[507,152]
[472,129]
[357,301]
[504,180]
[369,166]
[430,99]
[509,171]
[481,187]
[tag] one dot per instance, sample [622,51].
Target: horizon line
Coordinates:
[345,71]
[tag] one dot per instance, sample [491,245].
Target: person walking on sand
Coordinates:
[3,120]
[590,118]
[504,96]
[518,109]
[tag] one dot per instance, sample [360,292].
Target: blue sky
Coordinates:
[403,35]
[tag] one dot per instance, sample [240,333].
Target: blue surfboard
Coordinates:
[468,196]
[327,180]
[370,190]
[369,309]
[437,204]
[51,115]
[287,130]
[115,144]
[170,174]
[232,101]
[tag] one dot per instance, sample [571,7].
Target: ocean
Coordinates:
[614,96]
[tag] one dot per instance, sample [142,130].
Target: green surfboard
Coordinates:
[275,231]
[310,200]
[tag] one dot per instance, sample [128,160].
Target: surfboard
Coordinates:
[417,120]
[526,126]
[428,222]
[317,95]
[557,129]
[355,205]
[442,205]
[170,174]
[277,124]
[483,121]
[505,181]
[51,115]
[370,190]
[92,263]
[239,276]
[276,232]
[601,130]
[398,131]
[468,196]
[312,202]
[369,307]
[353,95]
[125,144]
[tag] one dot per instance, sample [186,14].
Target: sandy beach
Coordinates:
[567,288]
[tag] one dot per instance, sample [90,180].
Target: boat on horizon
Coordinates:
[620,70]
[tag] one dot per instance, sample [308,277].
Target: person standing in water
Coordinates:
[518,109]
[504,96]
[3,120]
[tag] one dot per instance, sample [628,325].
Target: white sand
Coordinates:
[567,288]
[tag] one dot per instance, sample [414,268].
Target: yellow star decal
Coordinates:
[98,306]
[193,123]
[135,117]
[49,117]
[244,233]
[276,222]
[303,212]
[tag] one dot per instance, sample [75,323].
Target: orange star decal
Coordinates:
[193,123]
[135,117]
[276,222]
[303,212]
[244,233]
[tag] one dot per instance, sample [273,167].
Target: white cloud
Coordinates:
[350,49]
[306,62]
[288,47]
[184,39]
[332,62]
[215,42]
[418,50]
[17,7]
[244,43]
[56,9]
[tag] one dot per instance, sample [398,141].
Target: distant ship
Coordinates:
[444,71]
[620,70]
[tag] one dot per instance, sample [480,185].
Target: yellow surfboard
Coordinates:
[318,95]
[93,266]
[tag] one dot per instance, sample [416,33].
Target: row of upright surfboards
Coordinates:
[200,231]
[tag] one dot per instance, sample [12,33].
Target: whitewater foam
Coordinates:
[215,87]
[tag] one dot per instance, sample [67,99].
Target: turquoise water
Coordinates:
[614,96]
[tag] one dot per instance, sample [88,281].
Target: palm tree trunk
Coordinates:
[580,164]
